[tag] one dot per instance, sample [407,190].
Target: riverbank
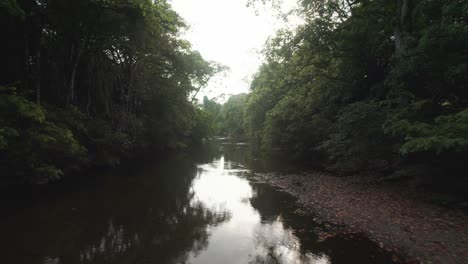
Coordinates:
[414,230]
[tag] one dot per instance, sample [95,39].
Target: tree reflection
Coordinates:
[296,236]
[148,218]
[166,213]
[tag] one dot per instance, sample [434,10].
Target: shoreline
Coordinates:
[414,231]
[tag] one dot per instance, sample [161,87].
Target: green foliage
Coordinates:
[11,7]
[213,113]
[226,119]
[434,65]
[356,140]
[294,128]
[34,149]
[366,85]
[233,113]
[97,81]
[19,107]
[446,133]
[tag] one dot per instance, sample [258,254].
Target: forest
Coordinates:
[368,86]
[345,144]
[226,119]
[89,83]
[359,87]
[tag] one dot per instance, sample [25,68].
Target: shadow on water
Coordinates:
[146,217]
[174,211]
[241,154]
[279,207]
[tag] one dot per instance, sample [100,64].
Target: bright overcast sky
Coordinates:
[230,33]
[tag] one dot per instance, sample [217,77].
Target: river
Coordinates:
[198,208]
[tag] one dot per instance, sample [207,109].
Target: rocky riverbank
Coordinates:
[414,230]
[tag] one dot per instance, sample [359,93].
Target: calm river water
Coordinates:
[180,210]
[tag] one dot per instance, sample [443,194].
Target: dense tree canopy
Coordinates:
[88,82]
[228,118]
[360,85]
[379,85]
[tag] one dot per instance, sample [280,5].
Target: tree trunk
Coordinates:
[74,69]
[38,76]
[403,24]
[27,72]
[88,105]
[72,80]
[397,28]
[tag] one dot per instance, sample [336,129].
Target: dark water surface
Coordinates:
[175,211]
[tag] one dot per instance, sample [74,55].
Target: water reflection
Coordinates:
[149,217]
[169,212]
[246,237]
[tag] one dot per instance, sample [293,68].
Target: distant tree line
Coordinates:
[226,119]
[91,81]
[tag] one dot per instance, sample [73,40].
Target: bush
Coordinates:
[32,148]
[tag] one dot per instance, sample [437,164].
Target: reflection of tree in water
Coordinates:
[282,255]
[206,153]
[166,239]
[244,155]
[297,238]
[275,240]
[272,203]
[236,153]
[241,155]
[147,218]
[151,215]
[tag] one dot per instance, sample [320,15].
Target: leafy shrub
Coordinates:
[447,133]
[357,140]
[32,148]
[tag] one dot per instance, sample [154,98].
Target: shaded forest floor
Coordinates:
[415,230]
